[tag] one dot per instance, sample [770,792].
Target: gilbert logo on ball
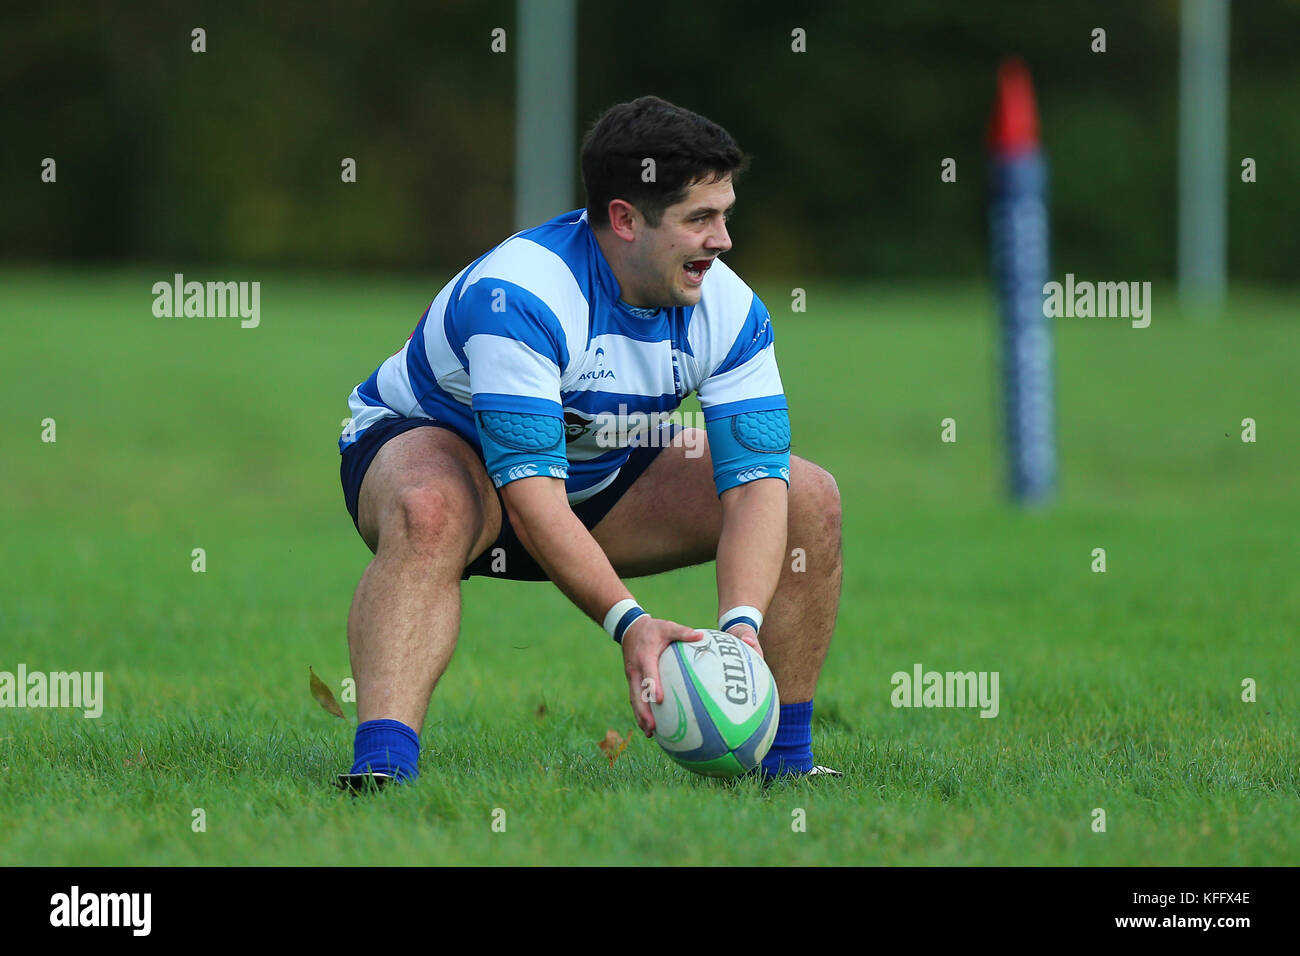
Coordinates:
[720,707]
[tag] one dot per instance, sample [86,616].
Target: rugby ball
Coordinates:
[720,706]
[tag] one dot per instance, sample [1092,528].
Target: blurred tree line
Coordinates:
[234,155]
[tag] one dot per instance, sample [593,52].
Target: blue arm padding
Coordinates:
[518,445]
[749,446]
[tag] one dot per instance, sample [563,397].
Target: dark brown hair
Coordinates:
[686,149]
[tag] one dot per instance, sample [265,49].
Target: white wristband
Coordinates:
[620,617]
[744,614]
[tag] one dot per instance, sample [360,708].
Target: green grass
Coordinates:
[1119,691]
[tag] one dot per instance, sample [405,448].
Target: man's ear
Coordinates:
[624,219]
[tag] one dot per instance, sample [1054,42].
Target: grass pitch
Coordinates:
[1119,691]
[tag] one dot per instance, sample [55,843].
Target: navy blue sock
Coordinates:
[792,747]
[386,746]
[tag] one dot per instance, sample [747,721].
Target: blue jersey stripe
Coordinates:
[369,391]
[496,402]
[496,307]
[592,402]
[768,404]
[619,321]
[418,369]
[436,403]
[755,335]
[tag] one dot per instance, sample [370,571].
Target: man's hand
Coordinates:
[746,634]
[643,642]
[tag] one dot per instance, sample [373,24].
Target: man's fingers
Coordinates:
[746,634]
[652,638]
[640,709]
[650,667]
[647,679]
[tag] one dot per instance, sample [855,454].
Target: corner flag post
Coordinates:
[1018,225]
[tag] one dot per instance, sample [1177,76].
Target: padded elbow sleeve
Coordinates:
[518,445]
[748,446]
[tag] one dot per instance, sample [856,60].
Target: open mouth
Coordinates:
[695,270]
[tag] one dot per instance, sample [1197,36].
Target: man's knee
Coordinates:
[427,493]
[426,520]
[817,497]
[416,517]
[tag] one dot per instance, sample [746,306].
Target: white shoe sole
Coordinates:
[355,783]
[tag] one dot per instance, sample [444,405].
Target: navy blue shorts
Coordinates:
[519,564]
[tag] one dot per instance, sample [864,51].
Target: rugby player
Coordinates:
[492,444]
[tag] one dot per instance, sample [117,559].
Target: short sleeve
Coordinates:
[747,379]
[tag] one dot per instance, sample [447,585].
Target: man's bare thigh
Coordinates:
[429,465]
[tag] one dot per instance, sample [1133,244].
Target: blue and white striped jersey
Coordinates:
[536,326]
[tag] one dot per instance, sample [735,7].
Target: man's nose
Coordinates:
[720,239]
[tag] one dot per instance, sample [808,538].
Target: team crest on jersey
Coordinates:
[576,425]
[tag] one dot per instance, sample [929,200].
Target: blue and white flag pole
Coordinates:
[1019,230]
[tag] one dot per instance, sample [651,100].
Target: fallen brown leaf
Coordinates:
[614,744]
[324,696]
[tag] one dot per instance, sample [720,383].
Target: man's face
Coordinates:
[694,233]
